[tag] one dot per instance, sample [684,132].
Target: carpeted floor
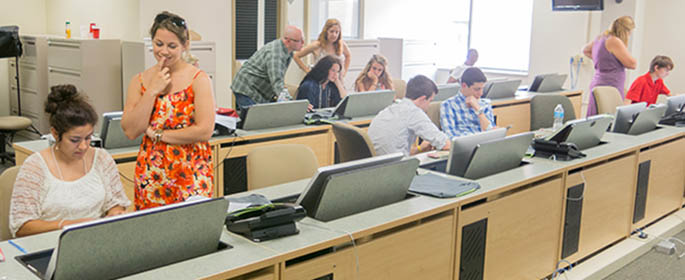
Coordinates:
[654,265]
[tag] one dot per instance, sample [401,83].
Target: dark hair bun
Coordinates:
[59,96]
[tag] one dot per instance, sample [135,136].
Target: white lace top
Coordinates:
[39,195]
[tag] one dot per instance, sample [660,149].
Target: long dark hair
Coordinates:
[319,72]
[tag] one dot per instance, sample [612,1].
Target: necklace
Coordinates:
[59,170]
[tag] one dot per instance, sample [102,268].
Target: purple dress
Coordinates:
[609,71]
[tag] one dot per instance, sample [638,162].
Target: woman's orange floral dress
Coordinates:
[167,173]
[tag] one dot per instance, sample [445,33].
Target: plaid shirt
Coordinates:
[457,119]
[261,77]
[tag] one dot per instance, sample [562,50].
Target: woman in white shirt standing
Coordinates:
[69,182]
[330,42]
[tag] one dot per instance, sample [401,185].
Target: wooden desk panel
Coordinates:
[419,252]
[607,203]
[516,115]
[577,101]
[340,264]
[666,180]
[523,232]
[126,173]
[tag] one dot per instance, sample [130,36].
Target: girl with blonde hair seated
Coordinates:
[374,76]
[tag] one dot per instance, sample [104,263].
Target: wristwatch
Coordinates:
[480,111]
[158,135]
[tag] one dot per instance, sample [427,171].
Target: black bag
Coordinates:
[677,119]
[10,45]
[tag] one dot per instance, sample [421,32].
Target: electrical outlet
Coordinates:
[665,247]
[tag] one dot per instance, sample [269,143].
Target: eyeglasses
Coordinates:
[174,19]
[293,40]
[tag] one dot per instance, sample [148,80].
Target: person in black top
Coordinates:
[322,85]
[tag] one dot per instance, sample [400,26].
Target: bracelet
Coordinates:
[59,225]
[158,135]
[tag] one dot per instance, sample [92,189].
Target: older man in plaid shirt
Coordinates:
[466,113]
[260,79]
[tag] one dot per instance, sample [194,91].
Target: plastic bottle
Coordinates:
[284,95]
[558,117]
[67,30]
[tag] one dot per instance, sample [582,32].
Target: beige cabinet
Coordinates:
[33,82]
[93,66]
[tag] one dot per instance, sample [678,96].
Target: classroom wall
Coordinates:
[663,36]
[116,19]
[212,20]
[29,15]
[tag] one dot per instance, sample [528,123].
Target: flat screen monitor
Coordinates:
[112,134]
[358,190]
[366,103]
[122,245]
[272,115]
[625,116]
[647,120]
[584,133]
[462,147]
[498,155]
[577,5]
[675,104]
[310,197]
[446,91]
[501,89]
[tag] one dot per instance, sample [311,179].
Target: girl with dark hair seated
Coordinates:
[69,182]
[322,85]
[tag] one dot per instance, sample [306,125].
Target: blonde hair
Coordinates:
[323,36]
[384,79]
[621,28]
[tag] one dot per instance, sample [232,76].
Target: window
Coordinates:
[501,32]
[346,11]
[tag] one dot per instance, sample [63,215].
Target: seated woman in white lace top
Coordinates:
[70,182]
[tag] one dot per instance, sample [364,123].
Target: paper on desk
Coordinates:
[239,203]
[226,121]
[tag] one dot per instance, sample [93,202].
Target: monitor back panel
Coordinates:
[647,120]
[272,115]
[498,155]
[588,133]
[367,103]
[140,242]
[503,89]
[360,190]
[446,91]
[552,83]
[113,135]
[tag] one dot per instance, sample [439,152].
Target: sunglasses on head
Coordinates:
[174,19]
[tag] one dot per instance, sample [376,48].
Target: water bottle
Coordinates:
[284,95]
[558,117]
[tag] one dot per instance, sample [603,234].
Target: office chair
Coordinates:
[434,113]
[280,163]
[353,142]
[6,185]
[9,125]
[607,98]
[400,87]
[542,110]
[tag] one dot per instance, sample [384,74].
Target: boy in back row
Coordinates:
[647,87]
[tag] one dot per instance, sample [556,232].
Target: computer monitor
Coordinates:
[361,189]
[647,120]
[675,104]
[462,147]
[498,155]
[548,82]
[118,246]
[112,134]
[625,116]
[366,103]
[271,115]
[584,133]
[501,89]
[446,91]
[310,197]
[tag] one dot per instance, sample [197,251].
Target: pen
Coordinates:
[17,246]
[2,256]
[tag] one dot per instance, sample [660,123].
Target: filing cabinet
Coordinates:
[33,81]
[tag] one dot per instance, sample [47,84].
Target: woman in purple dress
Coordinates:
[611,56]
